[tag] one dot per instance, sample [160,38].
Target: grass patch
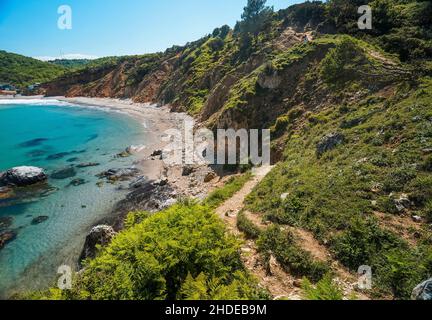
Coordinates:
[220,195]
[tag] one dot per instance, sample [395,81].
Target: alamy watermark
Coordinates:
[365,21]
[365,278]
[64,282]
[224,146]
[64,22]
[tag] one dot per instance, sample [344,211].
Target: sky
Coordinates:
[113,27]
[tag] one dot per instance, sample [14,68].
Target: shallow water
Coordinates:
[55,136]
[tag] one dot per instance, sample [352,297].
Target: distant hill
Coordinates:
[21,71]
[71,63]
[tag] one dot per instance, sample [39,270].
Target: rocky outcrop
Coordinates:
[423,291]
[329,142]
[23,176]
[99,236]
[188,170]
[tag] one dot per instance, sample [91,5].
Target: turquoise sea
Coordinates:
[54,135]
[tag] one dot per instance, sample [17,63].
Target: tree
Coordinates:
[255,16]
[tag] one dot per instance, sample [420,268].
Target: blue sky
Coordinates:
[113,27]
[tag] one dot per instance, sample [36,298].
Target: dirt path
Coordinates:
[279,283]
[229,210]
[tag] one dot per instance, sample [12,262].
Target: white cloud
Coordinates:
[70,56]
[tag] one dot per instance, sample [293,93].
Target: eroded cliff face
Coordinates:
[198,79]
[113,81]
[279,84]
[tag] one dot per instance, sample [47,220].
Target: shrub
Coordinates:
[427,164]
[248,227]
[428,211]
[357,245]
[400,271]
[294,259]
[420,190]
[341,63]
[134,218]
[325,289]
[398,179]
[156,259]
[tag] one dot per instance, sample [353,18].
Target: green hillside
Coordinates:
[21,71]
[70,63]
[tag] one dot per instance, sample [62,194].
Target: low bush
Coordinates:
[249,228]
[325,289]
[294,259]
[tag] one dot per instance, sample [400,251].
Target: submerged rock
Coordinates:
[329,142]
[5,222]
[423,291]
[58,156]
[6,236]
[64,173]
[39,220]
[32,143]
[77,182]
[119,174]
[36,153]
[22,176]
[88,164]
[99,236]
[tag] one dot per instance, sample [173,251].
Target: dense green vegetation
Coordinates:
[180,253]
[336,196]
[22,71]
[71,63]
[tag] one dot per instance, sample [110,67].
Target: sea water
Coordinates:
[53,135]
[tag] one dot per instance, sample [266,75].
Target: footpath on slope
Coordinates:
[279,283]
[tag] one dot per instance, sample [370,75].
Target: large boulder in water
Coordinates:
[423,291]
[99,235]
[22,176]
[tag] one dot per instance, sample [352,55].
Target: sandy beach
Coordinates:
[155,120]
